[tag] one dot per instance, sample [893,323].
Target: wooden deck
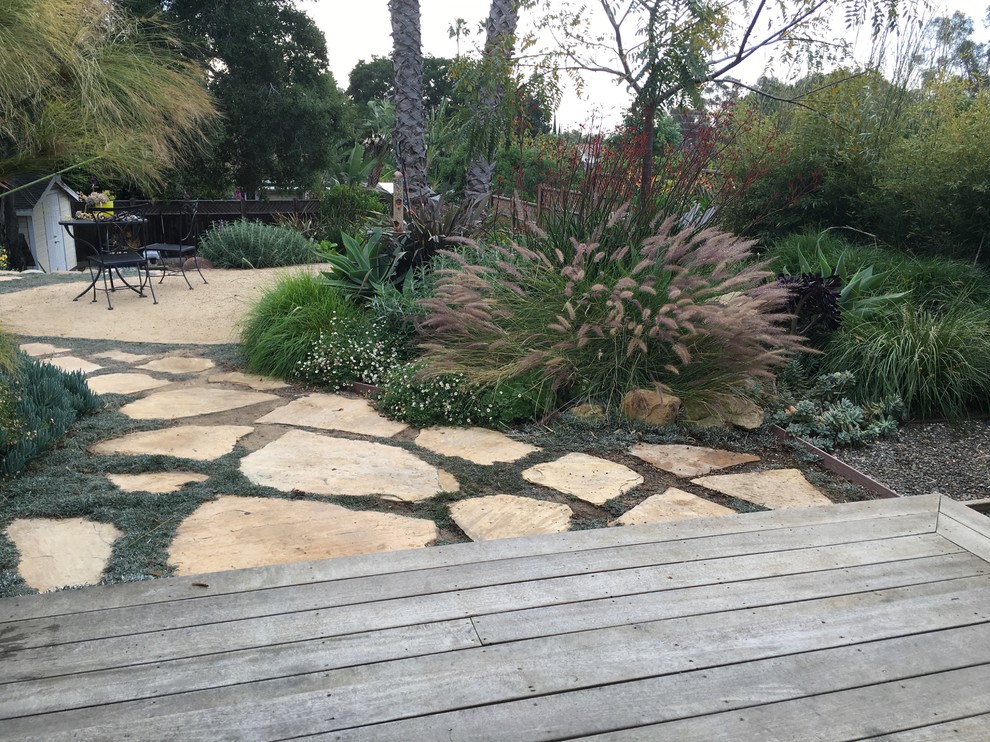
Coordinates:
[843,622]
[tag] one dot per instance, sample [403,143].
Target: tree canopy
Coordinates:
[666,51]
[268,69]
[372,80]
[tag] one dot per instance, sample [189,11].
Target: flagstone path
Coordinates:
[310,445]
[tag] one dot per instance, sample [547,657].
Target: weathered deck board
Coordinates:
[711,690]
[964,526]
[88,625]
[308,573]
[317,702]
[34,656]
[127,682]
[878,709]
[796,626]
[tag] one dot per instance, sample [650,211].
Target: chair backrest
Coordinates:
[190,234]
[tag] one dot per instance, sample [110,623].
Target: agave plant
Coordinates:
[365,267]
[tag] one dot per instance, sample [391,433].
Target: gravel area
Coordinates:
[950,458]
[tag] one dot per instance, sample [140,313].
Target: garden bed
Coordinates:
[924,457]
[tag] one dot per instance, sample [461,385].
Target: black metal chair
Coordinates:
[178,252]
[118,246]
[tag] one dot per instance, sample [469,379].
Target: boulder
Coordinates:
[653,407]
[724,410]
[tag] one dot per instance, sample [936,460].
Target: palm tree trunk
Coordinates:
[410,119]
[503,16]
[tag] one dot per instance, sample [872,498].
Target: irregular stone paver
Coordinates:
[73,363]
[36,350]
[239,532]
[688,461]
[198,442]
[479,445]
[586,477]
[121,356]
[256,382]
[674,504]
[158,482]
[316,463]
[178,365]
[60,553]
[191,402]
[124,383]
[778,488]
[334,412]
[507,516]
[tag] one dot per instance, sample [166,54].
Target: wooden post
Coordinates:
[398,215]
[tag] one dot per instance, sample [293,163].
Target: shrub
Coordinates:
[282,327]
[825,417]
[41,403]
[345,209]
[686,310]
[450,399]
[938,362]
[245,244]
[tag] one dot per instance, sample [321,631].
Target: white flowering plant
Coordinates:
[448,398]
[349,351]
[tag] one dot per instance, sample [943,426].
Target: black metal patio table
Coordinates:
[116,246]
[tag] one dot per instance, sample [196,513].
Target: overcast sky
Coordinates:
[359,29]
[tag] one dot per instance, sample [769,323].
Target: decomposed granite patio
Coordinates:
[262,472]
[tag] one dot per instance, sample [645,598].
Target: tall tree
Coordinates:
[488,118]
[268,69]
[374,80]
[410,118]
[666,51]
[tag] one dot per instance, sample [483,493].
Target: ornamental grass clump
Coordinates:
[938,362]
[689,310]
[283,326]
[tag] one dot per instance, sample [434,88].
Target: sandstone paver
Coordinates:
[198,442]
[508,516]
[73,363]
[674,504]
[334,412]
[255,381]
[38,350]
[586,477]
[122,356]
[323,465]
[190,402]
[479,445]
[124,383]
[777,488]
[688,461]
[61,553]
[178,365]
[239,532]
[158,482]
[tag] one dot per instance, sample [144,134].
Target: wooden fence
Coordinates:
[166,222]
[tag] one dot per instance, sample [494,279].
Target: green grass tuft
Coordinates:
[282,328]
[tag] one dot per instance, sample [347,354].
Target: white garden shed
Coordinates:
[39,210]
